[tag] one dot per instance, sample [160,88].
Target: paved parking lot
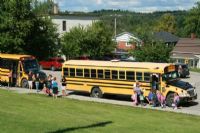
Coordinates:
[192,108]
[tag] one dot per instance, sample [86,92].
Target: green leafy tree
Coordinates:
[21,31]
[15,22]
[192,20]
[43,7]
[94,41]
[166,23]
[152,53]
[98,41]
[71,42]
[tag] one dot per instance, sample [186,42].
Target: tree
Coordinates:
[71,42]
[166,23]
[94,41]
[43,7]
[192,20]
[156,53]
[15,22]
[23,32]
[98,41]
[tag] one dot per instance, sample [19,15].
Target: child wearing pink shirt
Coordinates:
[134,98]
[162,101]
[176,100]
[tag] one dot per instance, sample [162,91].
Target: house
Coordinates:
[187,50]
[65,23]
[166,37]
[127,41]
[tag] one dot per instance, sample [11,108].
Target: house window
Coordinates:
[128,44]
[64,25]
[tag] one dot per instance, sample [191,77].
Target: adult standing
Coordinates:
[37,82]
[30,81]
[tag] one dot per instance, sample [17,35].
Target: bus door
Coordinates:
[14,68]
[19,73]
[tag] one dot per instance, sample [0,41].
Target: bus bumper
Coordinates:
[188,99]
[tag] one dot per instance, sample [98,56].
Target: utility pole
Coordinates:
[115,26]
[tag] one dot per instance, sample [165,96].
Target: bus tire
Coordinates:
[96,92]
[170,99]
[53,68]
[24,83]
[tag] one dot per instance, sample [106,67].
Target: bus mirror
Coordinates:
[167,85]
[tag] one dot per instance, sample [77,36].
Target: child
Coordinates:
[162,101]
[142,99]
[150,97]
[155,99]
[134,98]
[63,86]
[158,94]
[55,88]
[176,100]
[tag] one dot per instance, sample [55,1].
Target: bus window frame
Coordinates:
[117,76]
[88,76]
[91,74]
[78,72]
[105,76]
[102,74]
[70,72]
[127,75]
[142,76]
[123,71]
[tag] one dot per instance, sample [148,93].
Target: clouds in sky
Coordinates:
[133,5]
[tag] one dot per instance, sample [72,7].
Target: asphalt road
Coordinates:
[192,108]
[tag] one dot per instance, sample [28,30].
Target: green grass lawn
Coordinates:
[195,70]
[25,113]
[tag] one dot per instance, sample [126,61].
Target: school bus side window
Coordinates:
[114,74]
[139,76]
[100,74]
[130,75]
[122,75]
[146,76]
[79,72]
[5,63]
[66,73]
[87,73]
[72,72]
[107,74]
[93,73]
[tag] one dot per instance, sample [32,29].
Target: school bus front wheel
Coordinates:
[170,99]
[96,92]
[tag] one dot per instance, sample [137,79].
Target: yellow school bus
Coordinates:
[18,66]
[115,77]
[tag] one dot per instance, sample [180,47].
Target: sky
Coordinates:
[132,5]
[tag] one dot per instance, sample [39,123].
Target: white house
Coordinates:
[66,22]
[126,41]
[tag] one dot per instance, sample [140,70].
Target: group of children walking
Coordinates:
[50,87]
[155,97]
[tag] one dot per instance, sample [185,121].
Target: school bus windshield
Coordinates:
[169,76]
[30,65]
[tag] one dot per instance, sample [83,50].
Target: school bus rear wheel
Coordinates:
[96,92]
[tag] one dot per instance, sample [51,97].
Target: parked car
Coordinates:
[53,64]
[182,69]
